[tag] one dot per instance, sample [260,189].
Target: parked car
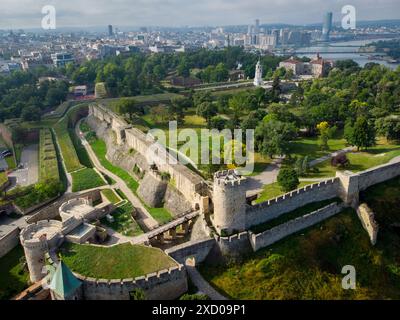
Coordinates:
[6,153]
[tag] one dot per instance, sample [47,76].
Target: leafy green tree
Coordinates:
[31,113]
[137,294]
[288,179]
[218,123]
[389,127]
[361,134]
[273,137]
[176,110]
[129,107]
[207,111]
[302,166]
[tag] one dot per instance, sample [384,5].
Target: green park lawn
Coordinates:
[123,221]
[359,161]
[13,279]
[310,147]
[308,265]
[116,262]
[110,195]
[85,179]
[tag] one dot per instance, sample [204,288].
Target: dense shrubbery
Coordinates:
[39,193]
[288,179]
[48,164]
[21,96]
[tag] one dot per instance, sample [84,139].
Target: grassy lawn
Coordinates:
[380,154]
[13,278]
[48,163]
[310,147]
[100,149]
[3,178]
[311,207]
[110,195]
[123,221]
[86,179]
[274,190]
[117,262]
[68,151]
[308,265]
[81,152]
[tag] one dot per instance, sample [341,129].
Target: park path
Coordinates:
[330,155]
[202,285]
[270,174]
[143,214]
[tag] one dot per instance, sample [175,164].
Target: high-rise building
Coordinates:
[327,27]
[257,27]
[110,30]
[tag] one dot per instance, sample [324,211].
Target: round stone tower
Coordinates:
[229,198]
[37,239]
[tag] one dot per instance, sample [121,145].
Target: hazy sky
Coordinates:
[80,13]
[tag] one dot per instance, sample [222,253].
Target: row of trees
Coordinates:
[22,96]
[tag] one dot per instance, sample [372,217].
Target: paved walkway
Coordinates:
[29,173]
[330,155]
[270,174]
[143,214]
[202,285]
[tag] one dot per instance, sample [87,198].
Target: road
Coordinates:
[143,215]
[29,174]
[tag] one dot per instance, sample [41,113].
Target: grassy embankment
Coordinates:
[76,159]
[117,262]
[308,265]
[13,277]
[100,149]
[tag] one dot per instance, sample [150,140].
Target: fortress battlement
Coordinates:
[145,280]
[229,178]
[36,235]
[232,238]
[292,194]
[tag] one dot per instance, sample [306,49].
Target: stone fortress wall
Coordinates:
[166,284]
[191,185]
[9,241]
[279,232]
[346,186]
[271,209]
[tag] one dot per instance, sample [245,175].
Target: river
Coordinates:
[347,51]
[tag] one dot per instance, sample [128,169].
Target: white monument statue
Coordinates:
[258,81]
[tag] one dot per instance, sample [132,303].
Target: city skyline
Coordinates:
[176,13]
